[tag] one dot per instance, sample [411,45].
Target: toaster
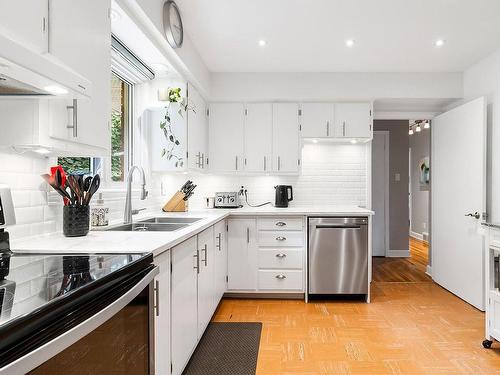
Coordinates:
[227,200]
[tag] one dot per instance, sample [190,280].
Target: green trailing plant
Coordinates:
[171,151]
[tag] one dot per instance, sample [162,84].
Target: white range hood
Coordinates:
[24,72]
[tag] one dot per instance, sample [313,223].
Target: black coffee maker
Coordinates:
[284,194]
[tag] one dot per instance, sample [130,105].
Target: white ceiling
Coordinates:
[310,35]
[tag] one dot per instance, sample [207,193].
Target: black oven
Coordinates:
[93,315]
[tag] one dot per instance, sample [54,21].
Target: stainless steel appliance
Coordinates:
[227,199]
[91,314]
[283,195]
[338,255]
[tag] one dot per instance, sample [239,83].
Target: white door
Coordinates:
[220,259]
[258,137]
[206,279]
[380,192]
[197,131]
[353,120]
[242,254]
[226,131]
[184,303]
[457,189]
[285,137]
[317,120]
[80,36]
[26,21]
[162,314]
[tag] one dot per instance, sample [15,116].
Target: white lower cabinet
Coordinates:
[162,314]
[266,254]
[198,268]
[184,293]
[242,254]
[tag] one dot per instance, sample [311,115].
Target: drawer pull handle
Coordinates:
[280,238]
[280,224]
[280,255]
[281,277]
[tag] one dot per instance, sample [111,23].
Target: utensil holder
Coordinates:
[76,220]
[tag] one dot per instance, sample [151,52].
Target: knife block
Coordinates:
[176,203]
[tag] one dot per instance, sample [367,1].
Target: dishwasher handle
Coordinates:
[326,226]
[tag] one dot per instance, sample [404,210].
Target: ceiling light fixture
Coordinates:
[262,43]
[427,125]
[349,43]
[439,43]
[410,132]
[418,129]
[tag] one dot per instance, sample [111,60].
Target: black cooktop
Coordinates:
[30,282]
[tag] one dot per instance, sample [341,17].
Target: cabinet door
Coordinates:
[206,279]
[197,121]
[226,129]
[258,137]
[220,259]
[80,36]
[184,324]
[285,137]
[353,120]
[242,254]
[162,314]
[317,120]
[25,21]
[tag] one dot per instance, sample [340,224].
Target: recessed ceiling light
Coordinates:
[56,90]
[439,43]
[262,43]
[349,43]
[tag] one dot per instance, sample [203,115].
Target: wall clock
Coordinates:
[172,24]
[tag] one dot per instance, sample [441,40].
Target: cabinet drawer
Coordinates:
[280,280]
[281,238]
[281,258]
[280,223]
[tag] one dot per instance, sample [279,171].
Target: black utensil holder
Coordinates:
[76,220]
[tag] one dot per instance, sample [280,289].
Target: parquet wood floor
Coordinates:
[409,328]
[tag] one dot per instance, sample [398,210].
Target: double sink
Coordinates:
[157,224]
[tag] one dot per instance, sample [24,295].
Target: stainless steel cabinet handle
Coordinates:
[280,224]
[248,235]
[202,161]
[157,297]
[218,241]
[279,163]
[328,128]
[74,126]
[265,167]
[280,238]
[280,277]
[236,162]
[280,255]
[206,255]
[343,128]
[197,266]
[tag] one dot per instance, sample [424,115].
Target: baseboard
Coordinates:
[416,235]
[398,253]
[428,270]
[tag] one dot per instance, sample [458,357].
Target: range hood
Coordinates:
[24,72]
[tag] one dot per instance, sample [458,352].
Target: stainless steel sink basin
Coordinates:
[171,220]
[149,227]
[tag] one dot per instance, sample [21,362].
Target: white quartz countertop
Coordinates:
[102,241]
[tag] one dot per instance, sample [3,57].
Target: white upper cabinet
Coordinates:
[197,122]
[286,157]
[316,120]
[258,137]
[25,21]
[80,37]
[226,128]
[353,120]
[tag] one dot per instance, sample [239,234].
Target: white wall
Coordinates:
[483,79]
[334,86]
[332,174]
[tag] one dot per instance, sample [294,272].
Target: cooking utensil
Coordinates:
[75,187]
[52,182]
[189,192]
[86,183]
[96,182]
[185,185]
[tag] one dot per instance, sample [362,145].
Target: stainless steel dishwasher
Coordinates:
[338,255]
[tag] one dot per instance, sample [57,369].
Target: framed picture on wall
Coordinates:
[424,173]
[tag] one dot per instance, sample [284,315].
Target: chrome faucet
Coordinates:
[127,217]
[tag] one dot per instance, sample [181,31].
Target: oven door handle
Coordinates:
[42,354]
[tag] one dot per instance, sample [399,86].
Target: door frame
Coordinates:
[386,134]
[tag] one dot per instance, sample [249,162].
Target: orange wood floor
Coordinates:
[409,328]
